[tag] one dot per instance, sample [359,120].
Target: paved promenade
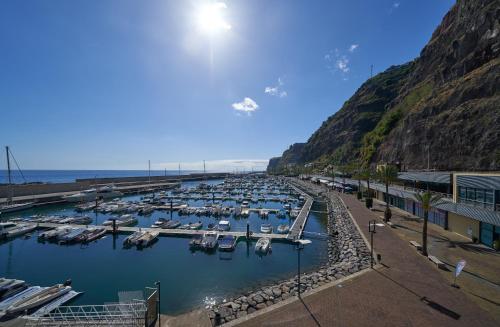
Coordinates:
[405,290]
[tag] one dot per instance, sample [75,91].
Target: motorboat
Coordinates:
[281,214]
[124,220]
[133,238]
[266,228]
[6,208]
[171,224]
[94,233]
[6,285]
[20,229]
[195,226]
[263,245]
[71,236]
[283,228]
[224,225]
[196,241]
[159,222]
[209,240]
[54,233]
[38,299]
[105,192]
[227,243]
[147,238]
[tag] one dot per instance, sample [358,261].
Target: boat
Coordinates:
[159,222]
[12,288]
[125,220]
[54,233]
[147,238]
[7,285]
[71,236]
[171,224]
[263,245]
[283,228]
[196,241]
[38,299]
[266,228]
[105,192]
[195,226]
[224,225]
[209,240]
[94,233]
[20,229]
[227,243]
[281,214]
[133,238]
[244,204]
[6,208]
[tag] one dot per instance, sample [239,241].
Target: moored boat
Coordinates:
[283,228]
[266,228]
[147,238]
[227,243]
[209,240]
[38,299]
[94,233]
[263,245]
[224,225]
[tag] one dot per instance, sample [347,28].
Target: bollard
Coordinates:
[248,231]
[114,226]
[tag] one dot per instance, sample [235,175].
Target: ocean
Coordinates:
[65,176]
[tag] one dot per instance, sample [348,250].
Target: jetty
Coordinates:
[300,222]
[170,232]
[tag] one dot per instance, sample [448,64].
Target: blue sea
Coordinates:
[65,176]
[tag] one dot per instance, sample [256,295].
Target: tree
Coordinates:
[427,200]
[387,174]
[366,175]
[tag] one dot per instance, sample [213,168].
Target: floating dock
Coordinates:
[300,222]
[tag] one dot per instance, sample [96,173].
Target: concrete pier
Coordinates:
[300,222]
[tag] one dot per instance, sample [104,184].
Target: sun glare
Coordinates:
[211,20]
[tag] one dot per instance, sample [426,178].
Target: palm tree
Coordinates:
[427,199]
[366,174]
[387,174]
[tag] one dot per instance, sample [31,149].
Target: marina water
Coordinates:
[188,279]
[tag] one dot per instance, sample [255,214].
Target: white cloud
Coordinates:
[353,47]
[343,64]
[396,4]
[247,105]
[276,90]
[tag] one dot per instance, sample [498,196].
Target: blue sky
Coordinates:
[101,84]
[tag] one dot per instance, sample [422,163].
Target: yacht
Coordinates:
[224,225]
[105,192]
[266,228]
[38,299]
[209,240]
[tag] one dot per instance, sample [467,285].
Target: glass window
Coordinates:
[471,194]
[488,196]
[480,195]
[461,192]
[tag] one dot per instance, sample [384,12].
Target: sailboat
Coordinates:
[11,207]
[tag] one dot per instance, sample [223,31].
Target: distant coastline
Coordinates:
[66,176]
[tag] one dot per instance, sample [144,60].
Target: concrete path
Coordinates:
[407,290]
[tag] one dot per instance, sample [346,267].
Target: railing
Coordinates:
[120,314]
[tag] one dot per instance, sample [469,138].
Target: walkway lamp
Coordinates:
[300,246]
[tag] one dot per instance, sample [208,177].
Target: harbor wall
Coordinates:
[42,188]
[17,190]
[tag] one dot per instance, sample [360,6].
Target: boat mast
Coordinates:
[9,199]
[149,171]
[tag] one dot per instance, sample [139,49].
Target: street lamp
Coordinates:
[300,246]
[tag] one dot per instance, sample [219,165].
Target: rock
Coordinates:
[260,306]
[241,314]
[259,299]
[251,310]
[276,291]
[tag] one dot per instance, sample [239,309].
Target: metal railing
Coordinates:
[120,314]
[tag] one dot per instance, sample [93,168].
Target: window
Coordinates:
[471,194]
[480,195]
[488,196]
[461,191]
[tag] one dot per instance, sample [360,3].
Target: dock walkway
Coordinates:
[301,220]
[172,232]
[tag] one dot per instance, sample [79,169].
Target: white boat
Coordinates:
[133,238]
[283,229]
[55,233]
[38,299]
[105,192]
[125,220]
[263,245]
[266,228]
[147,238]
[72,235]
[209,240]
[20,230]
[224,225]
[16,207]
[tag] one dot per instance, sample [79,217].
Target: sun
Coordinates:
[210,19]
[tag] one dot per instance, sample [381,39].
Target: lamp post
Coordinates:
[300,246]
[371,229]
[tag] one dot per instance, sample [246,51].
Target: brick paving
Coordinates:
[407,290]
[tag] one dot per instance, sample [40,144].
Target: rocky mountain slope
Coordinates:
[441,110]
